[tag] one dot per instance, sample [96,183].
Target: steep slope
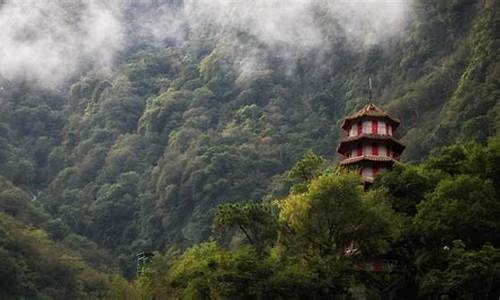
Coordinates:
[140,158]
[42,259]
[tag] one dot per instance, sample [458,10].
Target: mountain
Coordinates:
[139,158]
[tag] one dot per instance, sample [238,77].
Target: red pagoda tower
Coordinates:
[368,144]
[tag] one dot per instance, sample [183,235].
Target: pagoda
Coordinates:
[368,144]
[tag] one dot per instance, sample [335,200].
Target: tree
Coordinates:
[406,187]
[206,271]
[305,170]
[464,207]
[257,221]
[469,274]
[336,212]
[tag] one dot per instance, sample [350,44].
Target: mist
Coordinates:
[291,29]
[47,42]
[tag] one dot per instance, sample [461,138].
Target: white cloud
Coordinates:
[51,40]
[48,41]
[287,28]
[292,23]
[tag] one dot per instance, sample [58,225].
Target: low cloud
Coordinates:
[288,29]
[47,42]
[295,23]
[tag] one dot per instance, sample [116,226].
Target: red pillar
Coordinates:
[374,127]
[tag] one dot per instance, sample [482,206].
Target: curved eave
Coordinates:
[354,118]
[370,111]
[399,146]
[370,158]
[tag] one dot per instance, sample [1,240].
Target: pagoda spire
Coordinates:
[370,89]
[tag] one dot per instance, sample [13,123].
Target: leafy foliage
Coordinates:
[255,220]
[35,267]
[334,213]
[325,235]
[141,157]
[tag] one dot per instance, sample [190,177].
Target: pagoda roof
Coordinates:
[399,146]
[373,158]
[369,110]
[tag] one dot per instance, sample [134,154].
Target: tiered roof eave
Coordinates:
[368,158]
[370,110]
[399,146]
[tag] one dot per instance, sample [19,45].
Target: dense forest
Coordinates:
[216,151]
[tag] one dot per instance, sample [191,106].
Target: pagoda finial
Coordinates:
[370,89]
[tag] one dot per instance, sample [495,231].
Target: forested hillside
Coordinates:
[431,228]
[138,158]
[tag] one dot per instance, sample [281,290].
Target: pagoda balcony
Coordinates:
[394,143]
[372,158]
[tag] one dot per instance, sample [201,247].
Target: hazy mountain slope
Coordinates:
[139,159]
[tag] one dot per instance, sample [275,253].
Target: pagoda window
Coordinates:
[389,129]
[384,150]
[367,149]
[382,128]
[359,151]
[360,128]
[348,154]
[374,127]
[352,130]
[374,149]
[367,127]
